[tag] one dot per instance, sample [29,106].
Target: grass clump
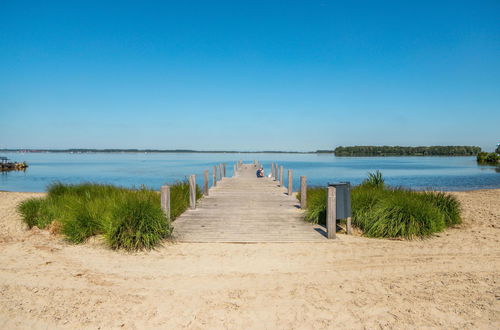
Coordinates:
[129,219]
[381,211]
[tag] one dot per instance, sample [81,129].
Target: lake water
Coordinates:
[156,169]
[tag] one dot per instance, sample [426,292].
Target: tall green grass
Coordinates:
[381,211]
[129,219]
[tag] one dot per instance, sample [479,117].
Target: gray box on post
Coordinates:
[343,193]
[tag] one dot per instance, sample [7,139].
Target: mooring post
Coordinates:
[205,183]
[272,171]
[220,171]
[224,169]
[349,227]
[215,175]
[165,200]
[282,170]
[290,183]
[331,213]
[303,192]
[192,191]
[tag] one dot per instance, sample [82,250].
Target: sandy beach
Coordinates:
[448,281]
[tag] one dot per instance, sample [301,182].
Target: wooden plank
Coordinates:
[331,216]
[246,209]
[165,200]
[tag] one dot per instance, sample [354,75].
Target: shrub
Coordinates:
[381,211]
[488,158]
[447,204]
[137,223]
[374,179]
[131,219]
[316,205]
[31,211]
[402,213]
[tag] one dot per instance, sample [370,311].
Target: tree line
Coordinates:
[407,151]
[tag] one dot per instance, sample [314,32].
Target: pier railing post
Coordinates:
[205,183]
[165,200]
[290,183]
[282,170]
[192,191]
[331,213]
[272,171]
[224,165]
[303,192]
[215,175]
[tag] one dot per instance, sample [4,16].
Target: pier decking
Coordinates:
[246,209]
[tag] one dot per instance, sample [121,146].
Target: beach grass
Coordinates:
[129,219]
[388,212]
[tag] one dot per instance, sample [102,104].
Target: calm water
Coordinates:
[153,170]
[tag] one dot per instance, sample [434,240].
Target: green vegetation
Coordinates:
[381,211]
[407,151]
[130,219]
[488,158]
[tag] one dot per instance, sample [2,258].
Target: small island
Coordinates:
[383,151]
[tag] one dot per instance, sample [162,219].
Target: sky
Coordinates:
[249,75]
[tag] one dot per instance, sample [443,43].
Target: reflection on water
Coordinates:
[153,170]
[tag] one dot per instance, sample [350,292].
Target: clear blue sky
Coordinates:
[249,75]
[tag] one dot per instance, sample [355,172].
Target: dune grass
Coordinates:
[129,219]
[381,211]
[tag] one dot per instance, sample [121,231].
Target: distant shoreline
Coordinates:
[338,152]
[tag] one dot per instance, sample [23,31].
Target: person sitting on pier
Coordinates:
[260,172]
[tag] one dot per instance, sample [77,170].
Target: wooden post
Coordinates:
[282,170]
[272,171]
[224,165]
[192,191]
[349,227]
[165,200]
[234,170]
[331,213]
[290,183]
[220,171]
[205,183]
[215,175]
[303,192]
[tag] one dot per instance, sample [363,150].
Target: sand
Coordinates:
[448,281]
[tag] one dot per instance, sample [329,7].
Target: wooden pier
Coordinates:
[246,209]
